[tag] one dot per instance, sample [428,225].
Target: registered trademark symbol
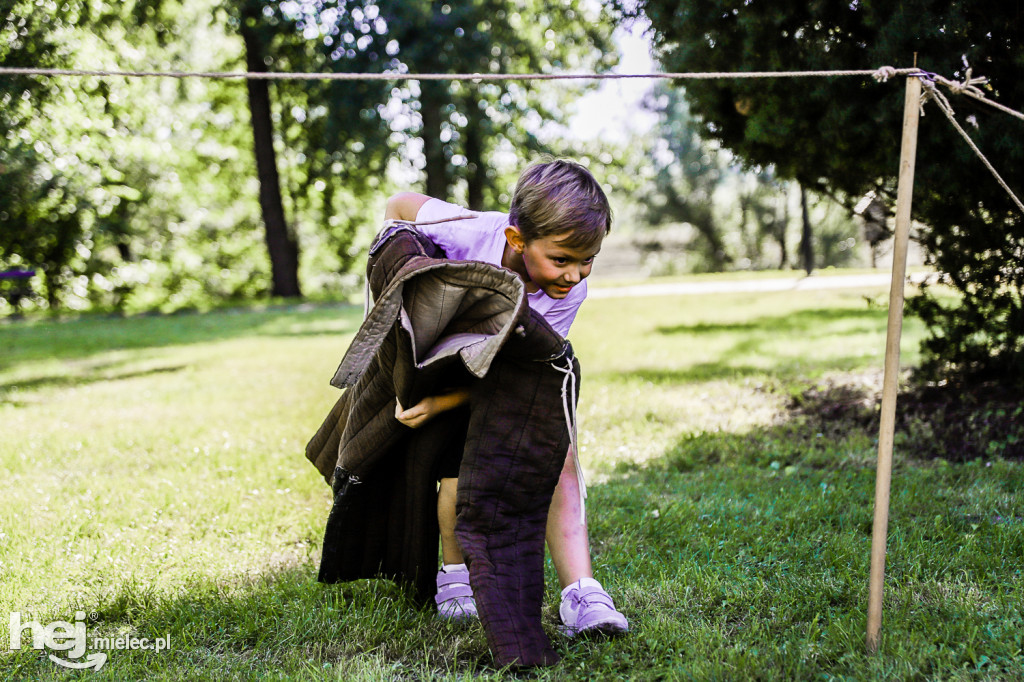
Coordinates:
[94,616]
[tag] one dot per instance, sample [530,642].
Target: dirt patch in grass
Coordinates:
[954,421]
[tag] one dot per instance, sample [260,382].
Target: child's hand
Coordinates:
[417,415]
[428,408]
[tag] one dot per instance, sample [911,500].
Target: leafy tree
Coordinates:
[281,245]
[139,164]
[462,125]
[149,180]
[333,136]
[69,154]
[732,212]
[841,136]
[321,125]
[763,201]
[39,223]
[140,192]
[689,172]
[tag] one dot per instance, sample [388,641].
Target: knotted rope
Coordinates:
[884,73]
[967,87]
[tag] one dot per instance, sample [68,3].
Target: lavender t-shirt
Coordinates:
[482,238]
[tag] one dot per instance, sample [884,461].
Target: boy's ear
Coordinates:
[515,238]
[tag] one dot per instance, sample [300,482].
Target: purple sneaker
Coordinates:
[454,597]
[587,609]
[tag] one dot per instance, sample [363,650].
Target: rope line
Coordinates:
[881,75]
[933,93]
[394,76]
[968,87]
[992,103]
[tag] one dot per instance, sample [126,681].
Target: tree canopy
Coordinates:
[134,193]
[462,125]
[842,135]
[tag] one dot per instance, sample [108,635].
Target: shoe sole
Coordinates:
[608,629]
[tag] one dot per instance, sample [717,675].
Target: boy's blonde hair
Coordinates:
[553,197]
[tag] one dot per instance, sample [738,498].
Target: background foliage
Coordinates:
[135,194]
[842,135]
[130,194]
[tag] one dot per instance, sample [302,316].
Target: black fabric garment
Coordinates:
[515,449]
[433,315]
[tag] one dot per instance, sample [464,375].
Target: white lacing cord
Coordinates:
[569,408]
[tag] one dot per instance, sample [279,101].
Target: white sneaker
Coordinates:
[454,597]
[587,609]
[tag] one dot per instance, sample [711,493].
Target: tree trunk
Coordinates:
[51,286]
[473,146]
[281,246]
[716,249]
[782,227]
[748,235]
[432,101]
[806,245]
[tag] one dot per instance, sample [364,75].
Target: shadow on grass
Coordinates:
[709,564]
[763,540]
[803,321]
[280,624]
[9,391]
[787,347]
[781,367]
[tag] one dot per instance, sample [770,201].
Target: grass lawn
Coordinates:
[155,481]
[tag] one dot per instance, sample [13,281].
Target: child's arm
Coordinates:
[404,206]
[430,407]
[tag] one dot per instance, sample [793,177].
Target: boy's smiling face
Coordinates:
[547,263]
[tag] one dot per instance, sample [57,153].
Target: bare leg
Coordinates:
[450,551]
[567,537]
[585,606]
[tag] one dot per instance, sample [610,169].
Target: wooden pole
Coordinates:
[890,383]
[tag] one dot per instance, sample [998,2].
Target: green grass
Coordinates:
[154,479]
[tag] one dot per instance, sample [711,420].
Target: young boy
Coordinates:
[557,221]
